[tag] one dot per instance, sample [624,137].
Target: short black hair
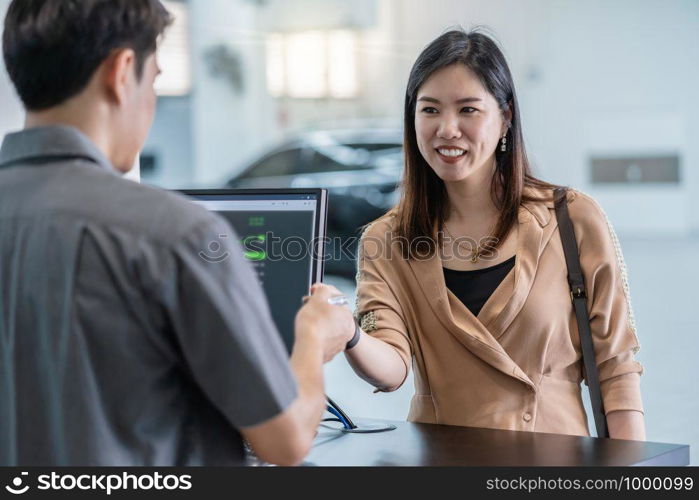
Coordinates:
[53,47]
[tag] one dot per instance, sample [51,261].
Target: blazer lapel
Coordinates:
[479,334]
[535,230]
[458,321]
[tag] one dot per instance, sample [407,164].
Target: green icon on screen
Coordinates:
[254,255]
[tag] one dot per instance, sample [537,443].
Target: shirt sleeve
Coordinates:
[378,310]
[611,316]
[223,326]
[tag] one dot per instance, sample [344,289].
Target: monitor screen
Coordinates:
[282,233]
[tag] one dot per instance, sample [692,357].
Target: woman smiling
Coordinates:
[465,279]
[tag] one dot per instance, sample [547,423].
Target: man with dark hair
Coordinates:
[119,345]
[53,48]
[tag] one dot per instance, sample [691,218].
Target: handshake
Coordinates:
[324,319]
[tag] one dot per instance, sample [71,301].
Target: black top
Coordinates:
[120,344]
[473,288]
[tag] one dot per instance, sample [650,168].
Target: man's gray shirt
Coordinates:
[119,343]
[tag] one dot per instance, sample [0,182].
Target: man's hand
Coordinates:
[331,325]
[322,329]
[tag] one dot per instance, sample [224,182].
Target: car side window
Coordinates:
[281,163]
[339,157]
[327,161]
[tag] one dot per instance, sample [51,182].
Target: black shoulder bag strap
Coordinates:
[579,296]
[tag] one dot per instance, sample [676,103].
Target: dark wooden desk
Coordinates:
[444,445]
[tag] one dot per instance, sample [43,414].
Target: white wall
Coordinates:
[620,71]
[170,141]
[226,125]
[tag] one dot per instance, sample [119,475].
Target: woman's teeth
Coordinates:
[451,152]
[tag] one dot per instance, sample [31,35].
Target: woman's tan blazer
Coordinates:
[518,364]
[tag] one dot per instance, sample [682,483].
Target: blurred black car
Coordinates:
[360,169]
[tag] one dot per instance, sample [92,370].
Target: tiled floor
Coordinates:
[664,283]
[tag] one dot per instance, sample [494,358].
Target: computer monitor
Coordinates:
[282,232]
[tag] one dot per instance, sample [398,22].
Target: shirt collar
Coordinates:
[54,141]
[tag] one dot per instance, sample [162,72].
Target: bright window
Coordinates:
[173,53]
[312,64]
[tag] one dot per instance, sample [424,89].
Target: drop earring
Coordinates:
[503,145]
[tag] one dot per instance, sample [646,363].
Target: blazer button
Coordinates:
[527,417]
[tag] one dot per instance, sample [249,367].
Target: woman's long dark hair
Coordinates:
[423,206]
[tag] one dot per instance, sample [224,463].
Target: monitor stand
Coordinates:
[350,427]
